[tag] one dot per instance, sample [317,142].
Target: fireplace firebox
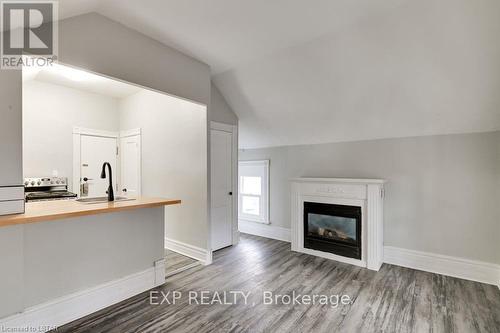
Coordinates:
[333,228]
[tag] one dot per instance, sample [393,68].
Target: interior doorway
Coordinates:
[130,163]
[92,148]
[224,163]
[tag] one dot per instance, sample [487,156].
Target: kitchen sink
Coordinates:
[101,200]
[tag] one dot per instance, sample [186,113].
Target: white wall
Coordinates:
[49,113]
[98,44]
[173,132]
[173,135]
[441,197]
[174,159]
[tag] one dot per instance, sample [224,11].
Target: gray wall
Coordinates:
[66,256]
[220,111]
[11,168]
[96,43]
[46,260]
[12,269]
[441,197]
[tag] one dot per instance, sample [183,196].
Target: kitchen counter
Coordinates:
[65,254]
[62,209]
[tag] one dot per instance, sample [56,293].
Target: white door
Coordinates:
[221,184]
[130,166]
[96,150]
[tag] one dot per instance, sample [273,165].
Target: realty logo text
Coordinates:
[29,33]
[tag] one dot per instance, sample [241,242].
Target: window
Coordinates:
[253,196]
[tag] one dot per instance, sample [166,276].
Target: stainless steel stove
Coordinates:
[47,188]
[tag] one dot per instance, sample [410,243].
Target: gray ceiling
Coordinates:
[300,72]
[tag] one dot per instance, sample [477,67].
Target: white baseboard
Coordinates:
[160,268]
[182,269]
[63,310]
[435,263]
[265,230]
[202,255]
[236,237]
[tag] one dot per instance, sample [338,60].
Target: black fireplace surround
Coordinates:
[333,228]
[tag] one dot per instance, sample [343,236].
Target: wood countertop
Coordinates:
[62,209]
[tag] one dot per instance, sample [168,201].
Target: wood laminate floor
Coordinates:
[395,299]
[174,262]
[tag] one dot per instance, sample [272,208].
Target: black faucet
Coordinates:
[111,195]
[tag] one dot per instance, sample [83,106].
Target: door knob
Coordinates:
[86,179]
[124,190]
[230,193]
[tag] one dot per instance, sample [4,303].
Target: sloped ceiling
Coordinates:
[301,72]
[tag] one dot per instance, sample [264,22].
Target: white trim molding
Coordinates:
[160,268]
[94,132]
[368,194]
[136,132]
[202,255]
[221,126]
[467,269]
[265,230]
[362,181]
[77,141]
[253,166]
[130,132]
[55,313]
[77,134]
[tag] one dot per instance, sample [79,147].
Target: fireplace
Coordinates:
[333,228]
[339,201]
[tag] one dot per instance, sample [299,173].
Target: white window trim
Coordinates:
[265,196]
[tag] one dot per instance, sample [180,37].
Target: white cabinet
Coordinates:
[11,200]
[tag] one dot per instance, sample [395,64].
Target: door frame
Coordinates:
[233,129]
[125,134]
[77,156]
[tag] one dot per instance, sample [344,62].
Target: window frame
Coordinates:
[264,196]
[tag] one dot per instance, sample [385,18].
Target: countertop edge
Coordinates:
[87,210]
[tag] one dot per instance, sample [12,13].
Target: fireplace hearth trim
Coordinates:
[365,193]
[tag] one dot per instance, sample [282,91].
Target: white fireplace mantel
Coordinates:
[365,193]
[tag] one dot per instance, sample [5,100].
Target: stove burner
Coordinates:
[49,195]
